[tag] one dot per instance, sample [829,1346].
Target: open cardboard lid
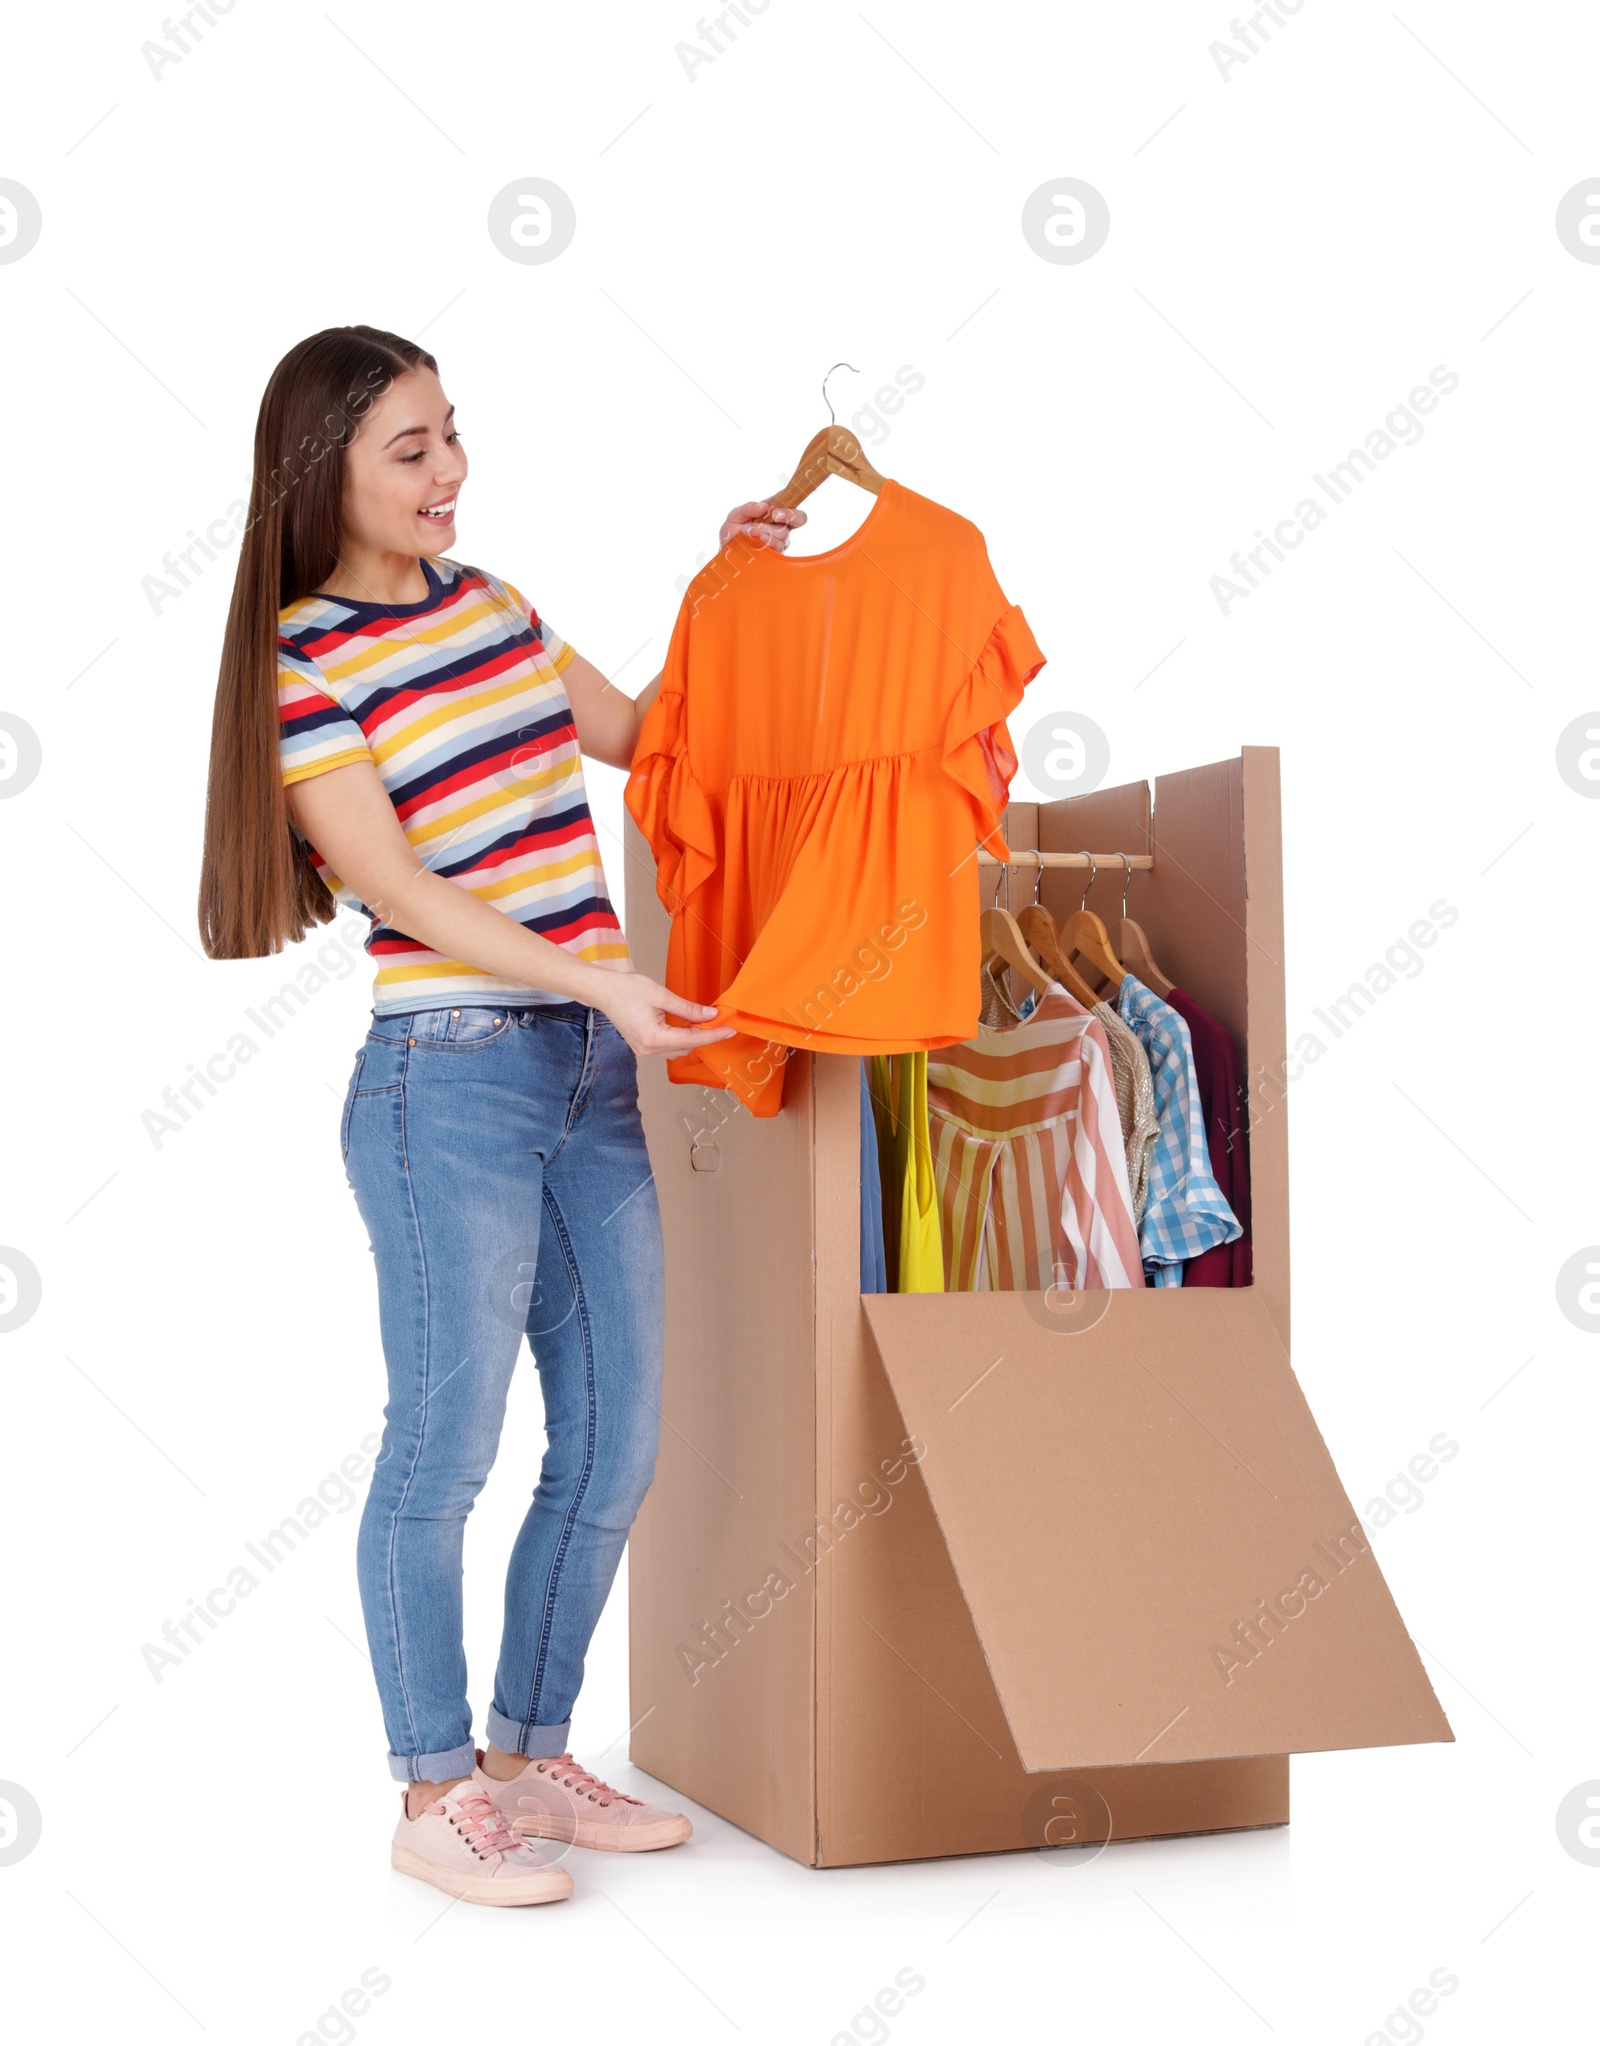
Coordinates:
[1126,1506]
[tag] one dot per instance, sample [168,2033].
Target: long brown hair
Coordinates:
[258,888]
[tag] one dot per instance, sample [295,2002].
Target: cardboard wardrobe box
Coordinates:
[927,1574]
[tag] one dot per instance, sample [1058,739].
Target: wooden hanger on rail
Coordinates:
[1037,928]
[834,451]
[1000,939]
[1083,935]
[1136,946]
[1003,940]
[1044,940]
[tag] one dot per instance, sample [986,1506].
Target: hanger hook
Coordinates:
[1127,877]
[832,420]
[1038,876]
[1093,876]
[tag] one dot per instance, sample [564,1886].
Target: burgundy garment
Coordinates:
[1216,1065]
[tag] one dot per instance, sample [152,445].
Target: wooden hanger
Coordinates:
[1136,947]
[834,451]
[1085,936]
[1037,929]
[1002,939]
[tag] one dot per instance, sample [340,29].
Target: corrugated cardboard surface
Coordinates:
[914,1754]
[721,1672]
[1157,1552]
[1113,1579]
[1212,908]
[1265,1042]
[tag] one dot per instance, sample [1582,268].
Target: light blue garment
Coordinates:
[874,1263]
[1187,1211]
[499,1163]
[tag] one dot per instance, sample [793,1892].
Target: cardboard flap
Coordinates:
[1160,1561]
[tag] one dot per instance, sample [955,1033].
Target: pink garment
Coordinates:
[1029,1159]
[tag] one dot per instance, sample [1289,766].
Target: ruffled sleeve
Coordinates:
[977,746]
[666,801]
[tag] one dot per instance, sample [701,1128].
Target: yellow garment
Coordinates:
[912,1246]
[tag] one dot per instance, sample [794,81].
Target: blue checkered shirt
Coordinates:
[1187,1210]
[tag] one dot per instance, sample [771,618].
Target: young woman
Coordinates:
[401,733]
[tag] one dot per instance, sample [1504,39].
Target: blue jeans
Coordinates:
[499,1163]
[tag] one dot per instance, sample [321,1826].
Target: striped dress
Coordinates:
[1029,1159]
[459,703]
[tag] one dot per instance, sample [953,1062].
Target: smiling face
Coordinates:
[402,473]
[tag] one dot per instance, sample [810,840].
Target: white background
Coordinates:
[1292,250]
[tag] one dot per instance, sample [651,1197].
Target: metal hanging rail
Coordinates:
[1112,862]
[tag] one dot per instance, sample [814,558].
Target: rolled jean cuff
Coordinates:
[513,1737]
[434,1768]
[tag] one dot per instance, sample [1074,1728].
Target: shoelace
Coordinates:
[481,1823]
[564,1770]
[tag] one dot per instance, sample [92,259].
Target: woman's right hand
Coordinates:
[642,1010]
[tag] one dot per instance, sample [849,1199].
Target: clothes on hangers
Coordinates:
[1187,1211]
[1028,1156]
[874,1263]
[1130,1072]
[910,1197]
[882,1093]
[1136,1102]
[828,743]
[1223,1109]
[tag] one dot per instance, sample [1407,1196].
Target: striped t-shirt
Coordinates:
[459,703]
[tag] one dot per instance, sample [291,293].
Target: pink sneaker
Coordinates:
[554,1799]
[462,1844]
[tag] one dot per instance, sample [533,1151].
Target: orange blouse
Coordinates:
[828,749]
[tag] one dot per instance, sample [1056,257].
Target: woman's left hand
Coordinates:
[769,525]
